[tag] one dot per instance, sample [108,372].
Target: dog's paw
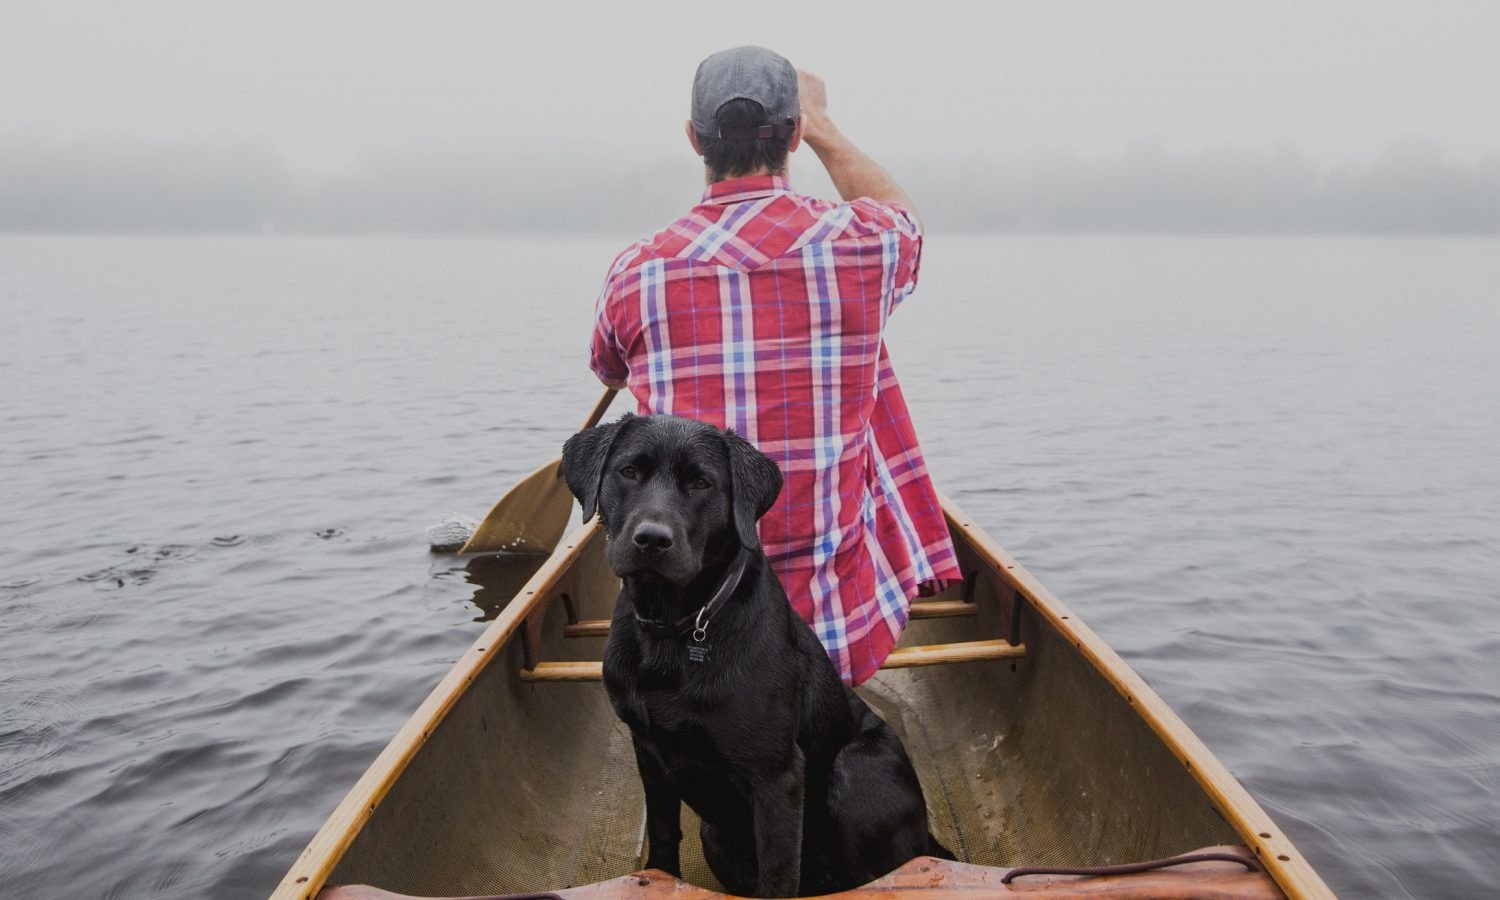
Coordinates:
[664,862]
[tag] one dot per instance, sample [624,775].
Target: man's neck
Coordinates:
[708,176]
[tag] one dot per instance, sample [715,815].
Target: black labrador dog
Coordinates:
[733,705]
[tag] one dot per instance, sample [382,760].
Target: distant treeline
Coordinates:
[227,186]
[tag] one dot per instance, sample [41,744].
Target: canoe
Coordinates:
[1036,745]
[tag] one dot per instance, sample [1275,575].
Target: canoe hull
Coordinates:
[1061,757]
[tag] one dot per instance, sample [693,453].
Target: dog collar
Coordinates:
[699,621]
[731,581]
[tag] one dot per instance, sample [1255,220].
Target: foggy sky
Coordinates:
[488,116]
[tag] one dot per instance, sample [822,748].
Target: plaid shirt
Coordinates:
[763,310]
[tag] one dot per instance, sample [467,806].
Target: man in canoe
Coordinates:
[764,310]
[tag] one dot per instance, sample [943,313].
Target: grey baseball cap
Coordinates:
[753,73]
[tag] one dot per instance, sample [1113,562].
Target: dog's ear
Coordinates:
[583,458]
[755,481]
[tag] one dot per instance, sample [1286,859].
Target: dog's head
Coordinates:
[674,494]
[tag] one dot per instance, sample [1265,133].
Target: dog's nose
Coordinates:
[652,536]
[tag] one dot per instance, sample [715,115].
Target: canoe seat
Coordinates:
[928,609]
[900,658]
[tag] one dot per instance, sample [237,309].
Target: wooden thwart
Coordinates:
[902,658]
[580,670]
[943,609]
[931,609]
[966,651]
[587,628]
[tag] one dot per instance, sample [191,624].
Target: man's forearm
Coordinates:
[853,172]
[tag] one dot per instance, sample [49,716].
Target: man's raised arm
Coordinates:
[853,172]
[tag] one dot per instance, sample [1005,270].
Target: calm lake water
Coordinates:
[1264,470]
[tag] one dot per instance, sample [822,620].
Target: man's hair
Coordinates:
[733,158]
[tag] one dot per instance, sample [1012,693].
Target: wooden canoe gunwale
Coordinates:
[1228,797]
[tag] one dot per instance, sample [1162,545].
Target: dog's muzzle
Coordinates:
[652,544]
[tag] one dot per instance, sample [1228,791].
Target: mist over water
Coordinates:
[227,185]
[1262,469]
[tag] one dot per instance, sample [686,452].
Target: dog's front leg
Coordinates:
[778,798]
[663,811]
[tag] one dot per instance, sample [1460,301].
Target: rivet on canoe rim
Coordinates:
[1265,834]
[1284,858]
[302,880]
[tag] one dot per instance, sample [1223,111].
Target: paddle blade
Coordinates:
[530,518]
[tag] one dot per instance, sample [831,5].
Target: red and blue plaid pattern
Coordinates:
[763,310]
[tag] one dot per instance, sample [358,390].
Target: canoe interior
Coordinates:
[532,786]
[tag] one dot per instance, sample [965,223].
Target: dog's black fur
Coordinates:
[800,786]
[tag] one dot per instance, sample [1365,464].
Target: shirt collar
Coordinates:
[736,190]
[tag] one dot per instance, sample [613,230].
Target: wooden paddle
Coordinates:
[531,517]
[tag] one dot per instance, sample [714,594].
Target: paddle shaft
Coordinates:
[596,414]
[600,408]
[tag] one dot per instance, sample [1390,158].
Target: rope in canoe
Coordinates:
[1132,868]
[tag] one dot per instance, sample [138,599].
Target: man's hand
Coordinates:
[853,172]
[812,95]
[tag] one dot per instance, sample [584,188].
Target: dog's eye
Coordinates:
[700,484]
[628,472]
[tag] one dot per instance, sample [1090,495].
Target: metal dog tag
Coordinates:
[698,650]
